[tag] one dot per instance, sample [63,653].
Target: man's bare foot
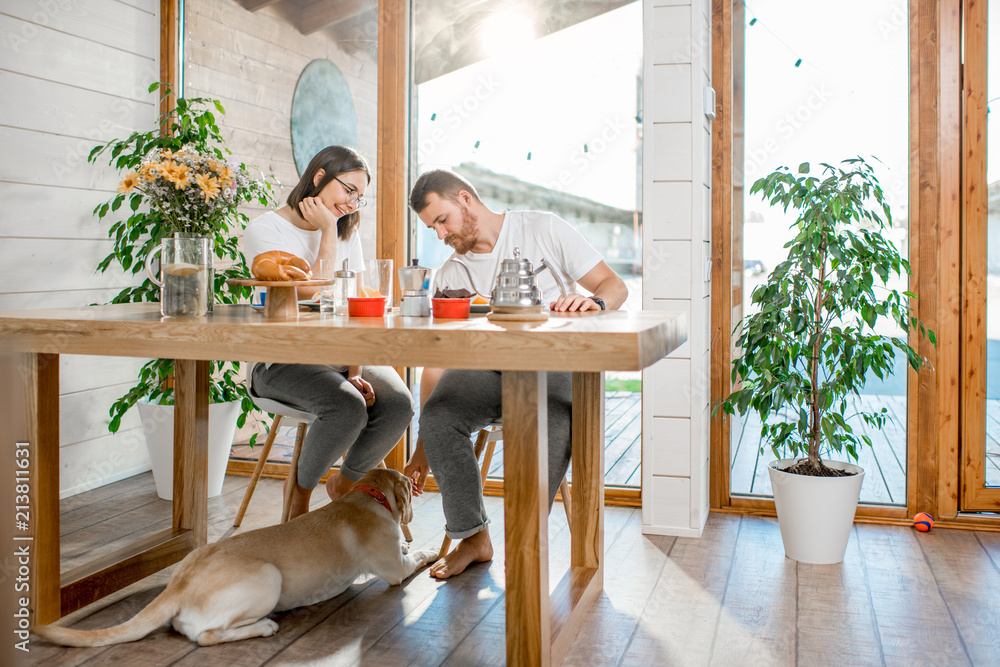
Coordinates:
[476,548]
[337,485]
[299,504]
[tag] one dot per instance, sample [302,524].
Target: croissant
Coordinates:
[280,265]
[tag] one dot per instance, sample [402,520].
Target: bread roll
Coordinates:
[279,265]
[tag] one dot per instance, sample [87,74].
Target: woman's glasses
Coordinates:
[352,194]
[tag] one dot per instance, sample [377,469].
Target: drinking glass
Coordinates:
[327,268]
[378,278]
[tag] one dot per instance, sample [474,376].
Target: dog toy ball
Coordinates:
[923,522]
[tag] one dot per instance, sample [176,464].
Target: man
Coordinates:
[459,402]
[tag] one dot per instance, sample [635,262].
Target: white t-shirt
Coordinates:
[272,232]
[540,235]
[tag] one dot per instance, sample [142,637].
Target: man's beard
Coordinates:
[464,240]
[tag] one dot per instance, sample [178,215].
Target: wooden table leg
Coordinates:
[191,392]
[40,373]
[581,587]
[525,427]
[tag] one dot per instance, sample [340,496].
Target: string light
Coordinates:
[753,21]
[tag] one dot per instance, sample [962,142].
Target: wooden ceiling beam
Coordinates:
[324,13]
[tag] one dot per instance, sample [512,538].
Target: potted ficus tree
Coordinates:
[177,180]
[812,342]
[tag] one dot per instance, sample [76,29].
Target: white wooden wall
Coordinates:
[73,74]
[676,175]
[251,61]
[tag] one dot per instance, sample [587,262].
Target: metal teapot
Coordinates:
[517,286]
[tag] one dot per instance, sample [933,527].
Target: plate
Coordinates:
[312,304]
[479,308]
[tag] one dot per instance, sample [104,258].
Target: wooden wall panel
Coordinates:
[935,103]
[73,75]
[722,228]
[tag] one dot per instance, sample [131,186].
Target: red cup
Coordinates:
[366,306]
[451,309]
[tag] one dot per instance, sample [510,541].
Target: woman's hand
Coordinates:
[361,384]
[417,468]
[316,213]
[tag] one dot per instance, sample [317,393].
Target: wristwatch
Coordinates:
[599,301]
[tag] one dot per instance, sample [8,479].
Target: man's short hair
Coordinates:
[443,183]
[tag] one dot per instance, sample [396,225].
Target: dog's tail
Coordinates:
[155,615]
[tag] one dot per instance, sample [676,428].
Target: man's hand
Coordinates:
[362,385]
[417,469]
[316,213]
[574,302]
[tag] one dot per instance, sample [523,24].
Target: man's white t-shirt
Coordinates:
[272,232]
[540,235]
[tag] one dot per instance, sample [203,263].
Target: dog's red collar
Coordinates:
[376,494]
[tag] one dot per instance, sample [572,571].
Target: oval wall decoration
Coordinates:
[322,112]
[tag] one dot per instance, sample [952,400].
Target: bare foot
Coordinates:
[477,548]
[299,503]
[337,485]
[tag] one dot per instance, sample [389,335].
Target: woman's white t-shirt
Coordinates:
[272,232]
[539,235]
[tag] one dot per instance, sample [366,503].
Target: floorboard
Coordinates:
[729,597]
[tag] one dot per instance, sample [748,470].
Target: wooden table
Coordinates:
[539,627]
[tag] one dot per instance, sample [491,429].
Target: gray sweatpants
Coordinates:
[343,422]
[462,403]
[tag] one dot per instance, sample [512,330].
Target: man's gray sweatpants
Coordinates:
[461,404]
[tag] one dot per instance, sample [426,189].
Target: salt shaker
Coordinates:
[345,284]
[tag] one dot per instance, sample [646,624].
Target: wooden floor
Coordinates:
[728,598]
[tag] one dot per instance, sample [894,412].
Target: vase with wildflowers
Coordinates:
[179,179]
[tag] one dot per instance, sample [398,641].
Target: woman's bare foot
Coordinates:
[476,548]
[337,485]
[299,504]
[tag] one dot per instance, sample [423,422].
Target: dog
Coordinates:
[223,592]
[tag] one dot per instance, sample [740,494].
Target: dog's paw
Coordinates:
[270,627]
[404,547]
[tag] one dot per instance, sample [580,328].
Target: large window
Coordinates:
[538,105]
[813,96]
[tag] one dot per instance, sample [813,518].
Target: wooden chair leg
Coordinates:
[564,490]
[258,469]
[300,435]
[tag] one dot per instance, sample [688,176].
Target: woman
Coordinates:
[361,411]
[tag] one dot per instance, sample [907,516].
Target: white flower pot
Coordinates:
[158,427]
[815,514]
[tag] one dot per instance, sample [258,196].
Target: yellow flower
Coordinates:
[178,174]
[128,183]
[209,186]
[224,172]
[149,171]
[166,154]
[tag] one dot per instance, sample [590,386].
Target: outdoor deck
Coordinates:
[884,462]
[622,441]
